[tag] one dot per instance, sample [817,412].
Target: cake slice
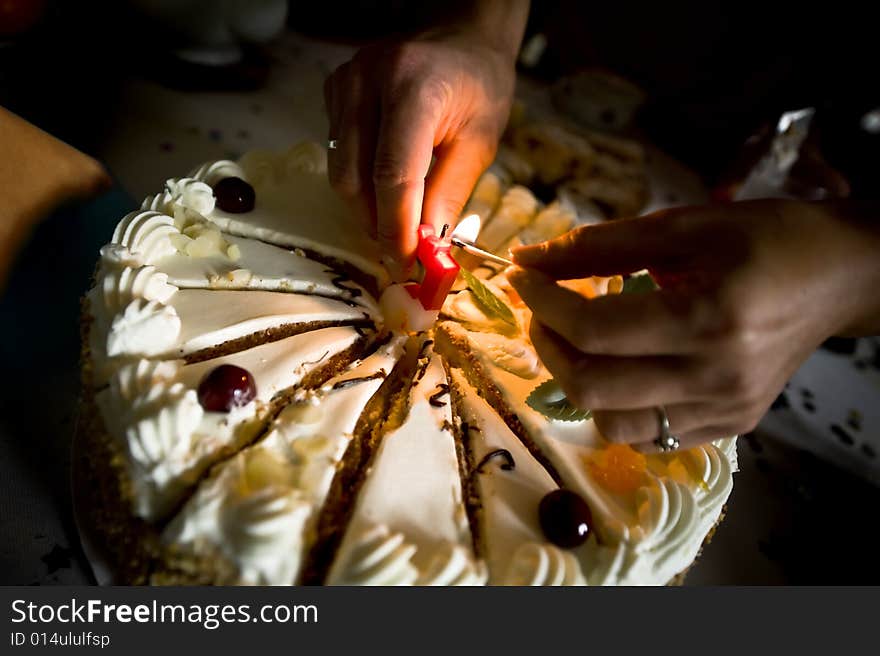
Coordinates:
[259,507]
[515,211]
[215,320]
[485,197]
[161,293]
[409,525]
[508,487]
[295,207]
[197,324]
[194,253]
[555,152]
[166,420]
[550,222]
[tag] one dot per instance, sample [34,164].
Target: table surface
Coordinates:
[807,476]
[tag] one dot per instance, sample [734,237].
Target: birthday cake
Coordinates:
[262,406]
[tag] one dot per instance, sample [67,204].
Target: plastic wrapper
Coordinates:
[784,162]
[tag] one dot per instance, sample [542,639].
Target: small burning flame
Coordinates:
[464,236]
[467,229]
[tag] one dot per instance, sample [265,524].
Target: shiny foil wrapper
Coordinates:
[785,162]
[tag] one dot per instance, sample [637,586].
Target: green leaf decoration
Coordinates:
[639,283]
[490,304]
[549,399]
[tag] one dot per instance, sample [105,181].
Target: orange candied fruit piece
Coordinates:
[618,468]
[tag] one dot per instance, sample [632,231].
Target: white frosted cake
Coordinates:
[259,408]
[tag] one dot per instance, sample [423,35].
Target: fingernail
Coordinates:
[520,277]
[522,254]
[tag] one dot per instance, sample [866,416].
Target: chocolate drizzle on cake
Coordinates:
[434,399]
[420,372]
[423,361]
[318,361]
[423,350]
[508,465]
[341,278]
[351,382]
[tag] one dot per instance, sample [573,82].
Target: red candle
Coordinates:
[440,269]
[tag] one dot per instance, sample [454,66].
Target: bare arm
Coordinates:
[444,94]
[749,290]
[37,174]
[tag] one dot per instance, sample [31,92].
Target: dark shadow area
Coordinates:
[792,519]
[39,348]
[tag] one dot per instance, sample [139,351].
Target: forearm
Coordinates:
[37,174]
[499,24]
[858,258]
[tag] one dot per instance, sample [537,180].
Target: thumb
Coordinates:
[621,246]
[456,170]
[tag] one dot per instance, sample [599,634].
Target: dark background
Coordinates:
[714,72]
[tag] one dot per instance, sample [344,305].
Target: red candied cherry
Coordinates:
[565,518]
[234,195]
[225,388]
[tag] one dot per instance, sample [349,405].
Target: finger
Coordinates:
[690,440]
[349,165]
[654,323]
[457,168]
[599,382]
[660,240]
[403,157]
[643,424]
